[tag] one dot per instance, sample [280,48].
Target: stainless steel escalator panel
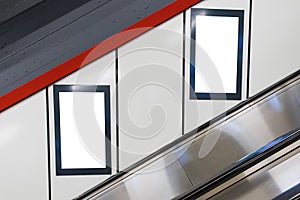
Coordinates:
[266,183]
[250,130]
[163,179]
[212,150]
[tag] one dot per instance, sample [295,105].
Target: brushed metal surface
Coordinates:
[265,164]
[225,144]
[213,150]
[267,183]
[163,179]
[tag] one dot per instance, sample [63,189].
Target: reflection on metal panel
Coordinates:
[245,133]
[160,180]
[267,183]
[212,150]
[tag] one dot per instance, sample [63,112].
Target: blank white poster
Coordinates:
[75,152]
[218,37]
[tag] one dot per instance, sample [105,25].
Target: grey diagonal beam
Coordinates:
[67,36]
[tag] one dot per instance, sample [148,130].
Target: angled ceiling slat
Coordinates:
[55,73]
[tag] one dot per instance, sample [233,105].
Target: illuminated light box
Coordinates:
[216,54]
[82,129]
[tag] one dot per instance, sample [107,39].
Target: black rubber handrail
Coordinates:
[242,165]
[292,193]
[189,135]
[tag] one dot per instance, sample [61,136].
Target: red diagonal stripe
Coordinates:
[73,64]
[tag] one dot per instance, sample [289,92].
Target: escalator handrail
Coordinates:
[292,193]
[242,165]
[190,134]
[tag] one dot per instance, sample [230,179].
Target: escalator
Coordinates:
[274,176]
[223,157]
[278,180]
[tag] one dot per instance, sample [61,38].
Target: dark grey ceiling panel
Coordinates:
[35,18]
[11,8]
[63,38]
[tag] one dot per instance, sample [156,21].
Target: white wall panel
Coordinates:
[198,112]
[99,72]
[150,91]
[23,150]
[275,42]
[150,97]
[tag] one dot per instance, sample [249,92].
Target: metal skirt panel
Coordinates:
[212,150]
